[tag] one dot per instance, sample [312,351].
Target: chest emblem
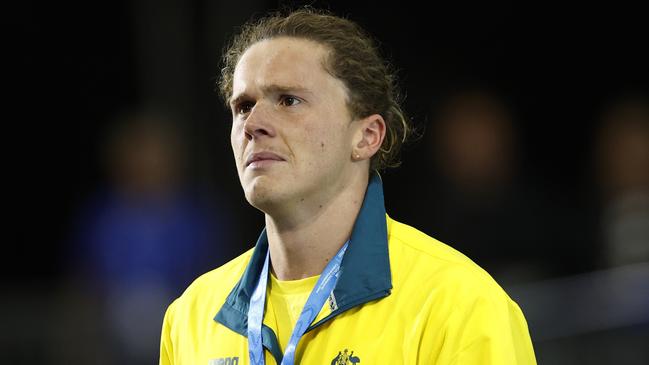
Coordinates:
[345,358]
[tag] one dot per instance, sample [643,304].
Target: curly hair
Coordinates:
[353,58]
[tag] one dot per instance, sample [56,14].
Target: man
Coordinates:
[332,278]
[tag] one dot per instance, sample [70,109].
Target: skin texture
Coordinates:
[314,170]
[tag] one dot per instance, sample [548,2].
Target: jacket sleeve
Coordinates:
[166,343]
[489,329]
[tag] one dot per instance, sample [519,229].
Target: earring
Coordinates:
[357,156]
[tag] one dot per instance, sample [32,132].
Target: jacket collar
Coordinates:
[365,269]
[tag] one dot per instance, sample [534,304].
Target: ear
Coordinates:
[369,137]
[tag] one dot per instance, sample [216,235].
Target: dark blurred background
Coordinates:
[533,160]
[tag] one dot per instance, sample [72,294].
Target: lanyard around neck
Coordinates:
[317,298]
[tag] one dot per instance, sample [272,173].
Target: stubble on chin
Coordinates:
[259,194]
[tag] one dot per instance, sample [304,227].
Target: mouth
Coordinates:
[261,159]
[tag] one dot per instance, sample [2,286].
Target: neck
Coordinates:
[302,243]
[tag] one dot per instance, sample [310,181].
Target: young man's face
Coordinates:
[292,132]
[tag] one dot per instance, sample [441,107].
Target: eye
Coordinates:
[244,107]
[288,100]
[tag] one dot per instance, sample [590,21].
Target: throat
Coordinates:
[304,261]
[297,269]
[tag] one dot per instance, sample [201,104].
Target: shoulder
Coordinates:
[448,287]
[418,258]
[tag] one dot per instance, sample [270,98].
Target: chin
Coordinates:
[261,193]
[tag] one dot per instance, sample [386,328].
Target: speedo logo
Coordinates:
[225,361]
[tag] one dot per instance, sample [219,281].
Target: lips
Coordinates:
[263,156]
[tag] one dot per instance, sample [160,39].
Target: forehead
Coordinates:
[284,61]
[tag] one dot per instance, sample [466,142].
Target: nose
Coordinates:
[258,124]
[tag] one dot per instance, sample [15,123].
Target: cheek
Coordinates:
[236,142]
[317,139]
[333,138]
[328,145]
[233,143]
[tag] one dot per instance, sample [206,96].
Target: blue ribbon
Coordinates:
[317,298]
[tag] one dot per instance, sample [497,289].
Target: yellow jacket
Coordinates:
[402,298]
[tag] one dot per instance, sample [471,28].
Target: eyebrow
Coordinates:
[272,89]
